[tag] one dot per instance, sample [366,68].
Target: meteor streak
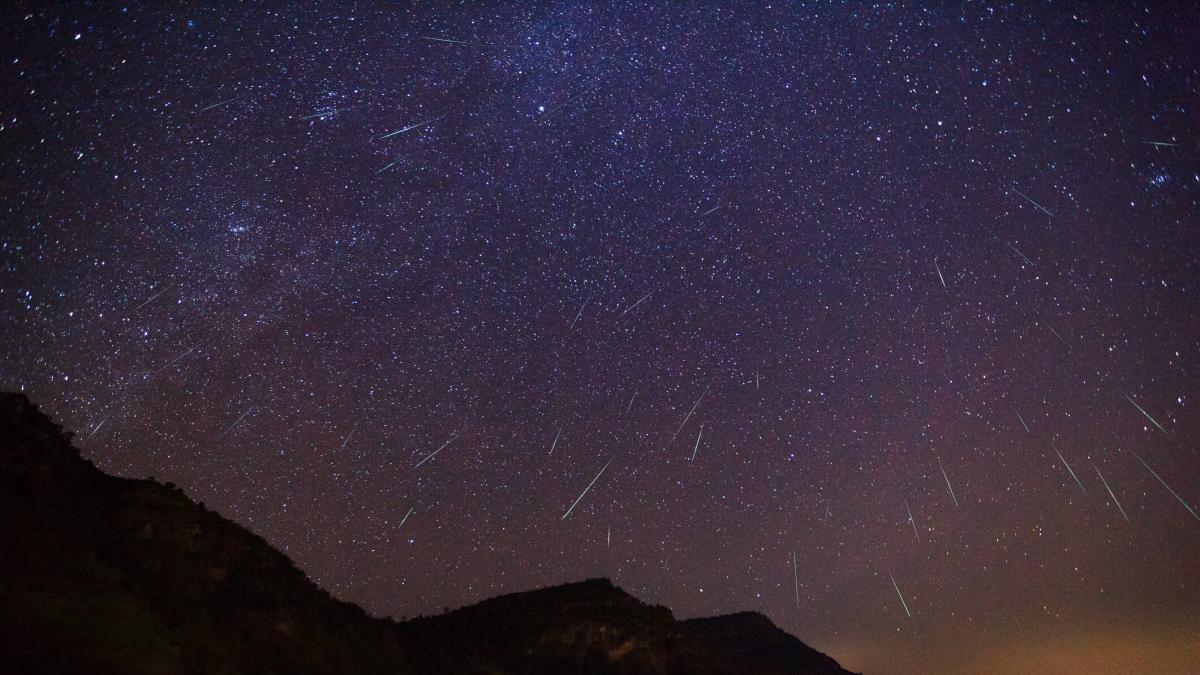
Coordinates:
[912,521]
[98,427]
[221,103]
[1110,492]
[1164,484]
[352,430]
[796,580]
[948,486]
[902,602]
[454,42]
[435,452]
[178,358]
[410,127]
[547,113]
[1143,411]
[1064,461]
[151,298]
[633,305]
[585,491]
[235,423]
[388,166]
[1043,209]
[1018,252]
[405,518]
[579,313]
[694,406]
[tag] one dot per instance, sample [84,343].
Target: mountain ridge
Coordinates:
[121,575]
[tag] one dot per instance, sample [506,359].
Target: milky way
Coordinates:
[883,322]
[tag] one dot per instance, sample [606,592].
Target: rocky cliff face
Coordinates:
[109,575]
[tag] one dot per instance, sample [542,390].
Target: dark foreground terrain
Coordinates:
[100,574]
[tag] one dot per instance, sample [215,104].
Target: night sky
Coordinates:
[884,322]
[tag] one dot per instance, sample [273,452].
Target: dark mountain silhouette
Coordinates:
[101,575]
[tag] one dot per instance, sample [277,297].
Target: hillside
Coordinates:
[111,575]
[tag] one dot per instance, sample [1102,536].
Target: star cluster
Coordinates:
[882,321]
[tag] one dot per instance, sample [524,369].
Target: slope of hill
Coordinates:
[750,642]
[110,575]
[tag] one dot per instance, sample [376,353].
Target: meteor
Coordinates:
[1018,252]
[694,406]
[435,452]
[1064,461]
[796,580]
[177,358]
[352,430]
[579,313]
[151,298]
[555,443]
[1043,209]
[902,602]
[235,423]
[410,127]
[547,113]
[454,42]
[947,482]
[389,165]
[221,103]
[1110,492]
[1142,410]
[633,305]
[912,521]
[1164,484]
[585,491]
[98,427]
[405,518]
[697,448]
